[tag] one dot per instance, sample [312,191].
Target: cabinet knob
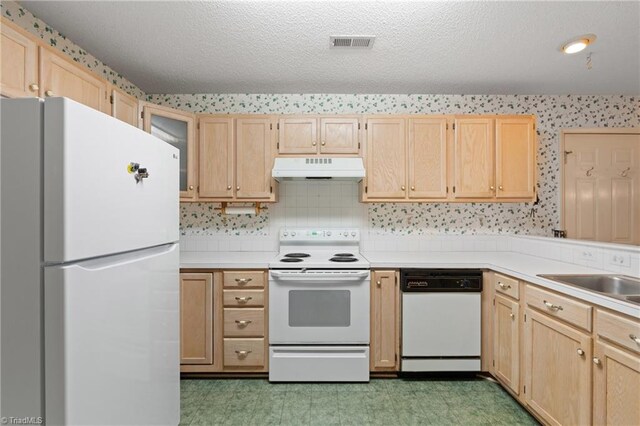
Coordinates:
[512,316]
[324,143]
[314,143]
[580,352]
[492,187]
[229,188]
[500,188]
[596,360]
[378,283]
[48,93]
[237,188]
[413,188]
[634,338]
[34,87]
[190,187]
[402,187]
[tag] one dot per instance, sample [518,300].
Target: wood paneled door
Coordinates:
[298,135]
[386,159]
[60,76]
[339,135]
[601,189]
[124,107]
[506,338]
[19,69]
[178,129]
[254,158]
[474,158]
[385,321]
[428,158]
[216,169]
[196,318]
[515,157]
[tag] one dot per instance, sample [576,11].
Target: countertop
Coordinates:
[517,265]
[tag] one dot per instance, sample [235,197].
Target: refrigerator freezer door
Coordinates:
[112,340]
[93,204]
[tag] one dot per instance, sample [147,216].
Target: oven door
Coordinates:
[319,307]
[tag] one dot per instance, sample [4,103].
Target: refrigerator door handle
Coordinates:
[124,258]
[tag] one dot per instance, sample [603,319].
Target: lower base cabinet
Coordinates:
[385,322]
[506,350]
[196,318]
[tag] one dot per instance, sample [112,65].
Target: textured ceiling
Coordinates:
[420,47]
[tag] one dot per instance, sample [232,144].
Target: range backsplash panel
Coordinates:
[553,112]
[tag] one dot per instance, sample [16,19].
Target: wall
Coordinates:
[553,113]
[22,17]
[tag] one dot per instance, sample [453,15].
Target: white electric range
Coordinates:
[319,307]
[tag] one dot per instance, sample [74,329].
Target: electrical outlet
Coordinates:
[588,256]
[620,259]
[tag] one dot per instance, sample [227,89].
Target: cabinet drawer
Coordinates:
[618,329]
[244,322]
[243,279]
[561,307]
[243,298]
[507,285]
[244,353]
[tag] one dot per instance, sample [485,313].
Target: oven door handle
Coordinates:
[310,276]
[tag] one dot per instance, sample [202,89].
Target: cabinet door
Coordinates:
[428,158]
[124,107]
[196,318]
[385,339]
[386,158]
[557,371]
[339,136]
[473,151]
[60,76]
[254,158]
[298,136]
[515,157]
[616,386]
[506,342]
[19,69]
[215,175]
[176,128]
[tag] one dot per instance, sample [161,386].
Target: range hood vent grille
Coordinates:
[352,42]
[318,161]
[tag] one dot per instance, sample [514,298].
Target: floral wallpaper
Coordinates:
[553,112]
[22,17]
[201,219]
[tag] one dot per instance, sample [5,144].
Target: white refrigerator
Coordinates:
[89,257]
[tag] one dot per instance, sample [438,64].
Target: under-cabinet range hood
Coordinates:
[313,168]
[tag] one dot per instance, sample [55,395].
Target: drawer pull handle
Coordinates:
[580,352]
[242,354]
[243,299]
[48,93]
[504,286]
[243,281]
[34,88]
[552,306]
[634,338]
[243,323]
[596,360]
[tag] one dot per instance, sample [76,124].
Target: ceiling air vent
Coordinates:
[352,42]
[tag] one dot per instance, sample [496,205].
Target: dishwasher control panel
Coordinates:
[441,280]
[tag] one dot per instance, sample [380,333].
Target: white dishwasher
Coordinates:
[441,319]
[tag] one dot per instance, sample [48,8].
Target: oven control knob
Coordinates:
[346,234]
[293,234]
[286,234]
[353,234]
[328,233]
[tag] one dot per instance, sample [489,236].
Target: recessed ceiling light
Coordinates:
[578,44]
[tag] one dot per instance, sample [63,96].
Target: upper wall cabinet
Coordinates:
[216,171]
[254,159]
[178,129]
[386,159]
[427,158]
[124,107]
[19,69]
[473,154]
[60,76]
[515,157]
[336,135]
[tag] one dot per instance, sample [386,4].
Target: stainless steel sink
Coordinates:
[618,286]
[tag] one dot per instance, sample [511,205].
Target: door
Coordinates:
[298,136]
[60,76]
[196,318]
[506,342]
[124,107]
[19,66]
[428,158]
[111,335]
[385,317]
[254,158]
[215,174]
[318,307]
[616,386]
[339,135]
[557,370]
[177,128]
[93,203]
[601,187]
[515,157]
[474,158]
[386,158]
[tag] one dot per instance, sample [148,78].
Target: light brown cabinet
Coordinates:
[385,321]
[310,135]
[254,159]
[216,171]
[339,135]
[386,159]
[177,128]
[19,56]
[506,339]
[474,158]
[515,158]
[196,318]
[297,135]
[124,107]
[427,158]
